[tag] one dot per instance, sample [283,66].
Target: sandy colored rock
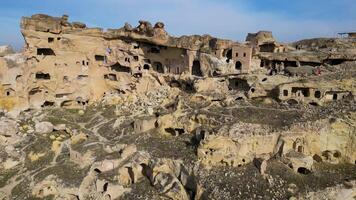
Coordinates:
[136,113]
[44,127]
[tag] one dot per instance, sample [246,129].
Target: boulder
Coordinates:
[218,151]
[10,163]
[135,169]
[44,127]
[169,177]
[79,25]
[60,127]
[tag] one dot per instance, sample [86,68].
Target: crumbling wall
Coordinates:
[71,65]
[74,65]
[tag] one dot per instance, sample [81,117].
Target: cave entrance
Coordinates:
[317,94]
[289,63]
[100,58]
[300,149]
[285,93]
[228,55]
[175,131]
[268,47]
[47,104]
[45,52]
[155,50]
[238,65]
[303,170]
[304,91]
[196,70]
[334,97]
[335,61]
[239,84]
[158,67]
[146,67]
[43,76]
[119,68]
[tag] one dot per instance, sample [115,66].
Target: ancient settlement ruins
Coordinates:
[134,113]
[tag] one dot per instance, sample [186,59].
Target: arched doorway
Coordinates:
[228,55]
[158,67]
[196,70]
[334,97]
[238,65]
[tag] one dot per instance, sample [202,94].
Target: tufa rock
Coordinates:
[44,127]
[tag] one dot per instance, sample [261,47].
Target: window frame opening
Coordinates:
[45,52]
[42,76]
[196,69]
[238,65]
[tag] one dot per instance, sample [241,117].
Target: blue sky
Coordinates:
[289,20]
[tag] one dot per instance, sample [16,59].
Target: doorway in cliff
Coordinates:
[239,84]
[43,76]
[238,65]
[228,55]
[158,67]
[303,170]
[45,52]
[119,68]
[196,70]
[146,66]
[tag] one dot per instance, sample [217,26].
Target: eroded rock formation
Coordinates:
[134,113]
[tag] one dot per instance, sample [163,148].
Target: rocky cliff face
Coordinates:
[70,65]
[134,113]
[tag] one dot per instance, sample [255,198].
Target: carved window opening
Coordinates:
[99,58]
[317,94]
[285,93]
[119,68]
[196,70]
[43,76]
[238,65]
[45,52]
[158,67]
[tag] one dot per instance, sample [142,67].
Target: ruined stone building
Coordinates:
[134,113]
[70,65]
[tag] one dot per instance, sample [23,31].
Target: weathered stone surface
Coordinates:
[135,113]
[8,126]
[44,127]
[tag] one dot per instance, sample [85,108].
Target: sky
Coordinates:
[290,20]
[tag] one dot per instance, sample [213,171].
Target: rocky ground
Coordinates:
[134,113]
[98,153]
